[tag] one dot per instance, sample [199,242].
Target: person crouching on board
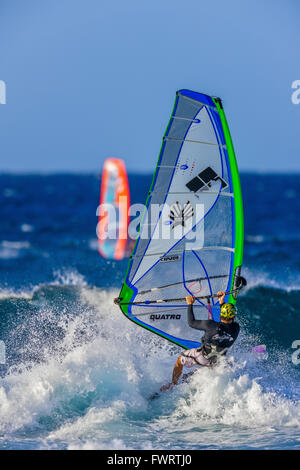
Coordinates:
[218,337]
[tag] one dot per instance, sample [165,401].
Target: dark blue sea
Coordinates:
[76,374]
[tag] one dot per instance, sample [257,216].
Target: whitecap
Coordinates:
[27,228]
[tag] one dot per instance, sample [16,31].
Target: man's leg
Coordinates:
[176,374]
[177,371]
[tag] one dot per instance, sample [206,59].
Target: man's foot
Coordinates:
[166,387]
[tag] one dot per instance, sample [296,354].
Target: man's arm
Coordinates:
[197,324]
[200,324]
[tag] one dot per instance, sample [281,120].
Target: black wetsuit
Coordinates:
[218,336]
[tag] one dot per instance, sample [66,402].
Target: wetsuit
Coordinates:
[218,336]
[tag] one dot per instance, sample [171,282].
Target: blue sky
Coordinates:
[91,79]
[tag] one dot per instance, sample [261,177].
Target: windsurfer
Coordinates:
[218,337]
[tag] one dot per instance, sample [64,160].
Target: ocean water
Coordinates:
[78,374]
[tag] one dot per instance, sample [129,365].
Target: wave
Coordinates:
[273,240]
[258,277]
[27,228]
[62,277]
[13,249]
[248,407]
[82,373]
[69,277]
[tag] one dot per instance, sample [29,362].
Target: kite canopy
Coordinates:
[191,235]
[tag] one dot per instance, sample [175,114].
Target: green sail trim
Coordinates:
[238,201]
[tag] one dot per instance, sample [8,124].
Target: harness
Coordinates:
[210,351]
[213,349]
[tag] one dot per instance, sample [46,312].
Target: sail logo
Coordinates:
[166,259]
[179,215]
[296,94]
[166,316]
[204,180]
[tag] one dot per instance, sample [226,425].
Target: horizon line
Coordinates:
[130,172]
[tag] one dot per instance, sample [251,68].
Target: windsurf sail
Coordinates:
[112,228]
[196,186]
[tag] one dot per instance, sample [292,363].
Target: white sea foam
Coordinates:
[10,293]
[12,249]
[69,277]
[255,238]
[27,228]
[64,277]
[95,395]
[229,399]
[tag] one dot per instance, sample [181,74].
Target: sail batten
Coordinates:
[193,141]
